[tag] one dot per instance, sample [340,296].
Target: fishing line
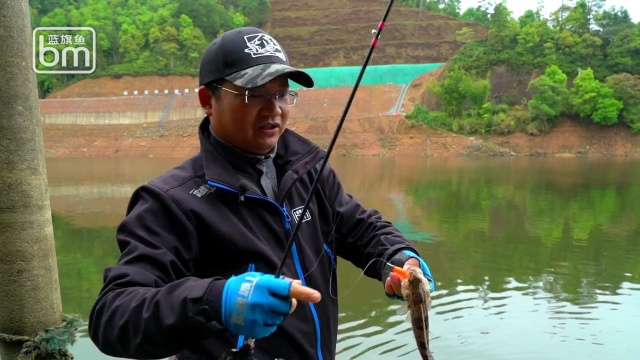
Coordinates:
[249,343]
[334,265]
[359,277]
[324,252]
[374,42]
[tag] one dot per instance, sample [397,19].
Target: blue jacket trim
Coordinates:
[296,260]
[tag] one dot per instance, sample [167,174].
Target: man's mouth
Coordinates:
[269,129]
[270,126]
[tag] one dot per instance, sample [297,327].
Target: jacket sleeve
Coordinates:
[363,236]
[150,306]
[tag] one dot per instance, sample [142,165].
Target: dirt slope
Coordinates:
[338,32]
[387,135]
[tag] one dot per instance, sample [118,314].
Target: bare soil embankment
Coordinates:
[369,130]
[387,135]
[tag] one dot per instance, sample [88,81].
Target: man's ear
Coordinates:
[204,95]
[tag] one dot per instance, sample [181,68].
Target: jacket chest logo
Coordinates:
[202,190]
[297,212]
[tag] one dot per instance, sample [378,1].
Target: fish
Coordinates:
[416,292]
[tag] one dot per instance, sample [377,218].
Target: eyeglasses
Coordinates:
[284,98]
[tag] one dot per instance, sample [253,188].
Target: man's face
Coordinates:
[254,127]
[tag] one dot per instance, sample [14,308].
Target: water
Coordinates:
[533,258]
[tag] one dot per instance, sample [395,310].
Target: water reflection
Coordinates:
[534,258]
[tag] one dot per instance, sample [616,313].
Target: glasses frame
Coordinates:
[262,98]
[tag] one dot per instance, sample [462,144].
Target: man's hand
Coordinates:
[302,293]
[254,304]
[392,284]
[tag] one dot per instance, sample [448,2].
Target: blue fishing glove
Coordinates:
[399,260]
[254,304]
[424,267]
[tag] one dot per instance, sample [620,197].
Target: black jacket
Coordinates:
[191,228]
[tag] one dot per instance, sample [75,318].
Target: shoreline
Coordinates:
[379,136]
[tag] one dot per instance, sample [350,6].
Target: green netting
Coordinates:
[402,74]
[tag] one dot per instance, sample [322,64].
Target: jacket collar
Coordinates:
[294,154]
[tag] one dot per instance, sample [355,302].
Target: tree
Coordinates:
[461,93]
[452,7]
[588,53]
[592,99]
[550,95]
[529,45]
[208,15]
[476,15]
[626,88]
[594,7]
[99,15]
[585,93]
[502,27]
[528,18]
[131,42]
[534,42]
[581,17]
[55,18]
[192,40]
[558,17]
[29,286]
[607,108]
[624,52]
[565,43]
[578,19]
[257,12]
[612,22]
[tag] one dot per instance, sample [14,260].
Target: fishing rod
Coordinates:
[374,42]
[245,352]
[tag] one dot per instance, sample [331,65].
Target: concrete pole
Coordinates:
[29,285]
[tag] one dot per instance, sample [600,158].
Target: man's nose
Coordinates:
[271,106]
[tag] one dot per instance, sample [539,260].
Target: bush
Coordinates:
[504,123]
[537,127]
[420,115]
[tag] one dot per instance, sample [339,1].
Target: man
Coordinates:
[200,244]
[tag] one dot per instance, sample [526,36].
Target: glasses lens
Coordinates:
[290,98]
[287,98]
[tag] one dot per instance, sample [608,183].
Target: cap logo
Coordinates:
[263,45]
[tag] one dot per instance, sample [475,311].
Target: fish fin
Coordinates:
[402,310]
[426,290]
[425,323]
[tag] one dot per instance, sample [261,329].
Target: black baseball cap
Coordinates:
[248,57]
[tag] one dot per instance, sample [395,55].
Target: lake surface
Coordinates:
[533,258]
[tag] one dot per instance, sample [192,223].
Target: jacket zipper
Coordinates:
[296,259]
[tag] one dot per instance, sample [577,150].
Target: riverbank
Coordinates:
[384,135]
[103,123]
